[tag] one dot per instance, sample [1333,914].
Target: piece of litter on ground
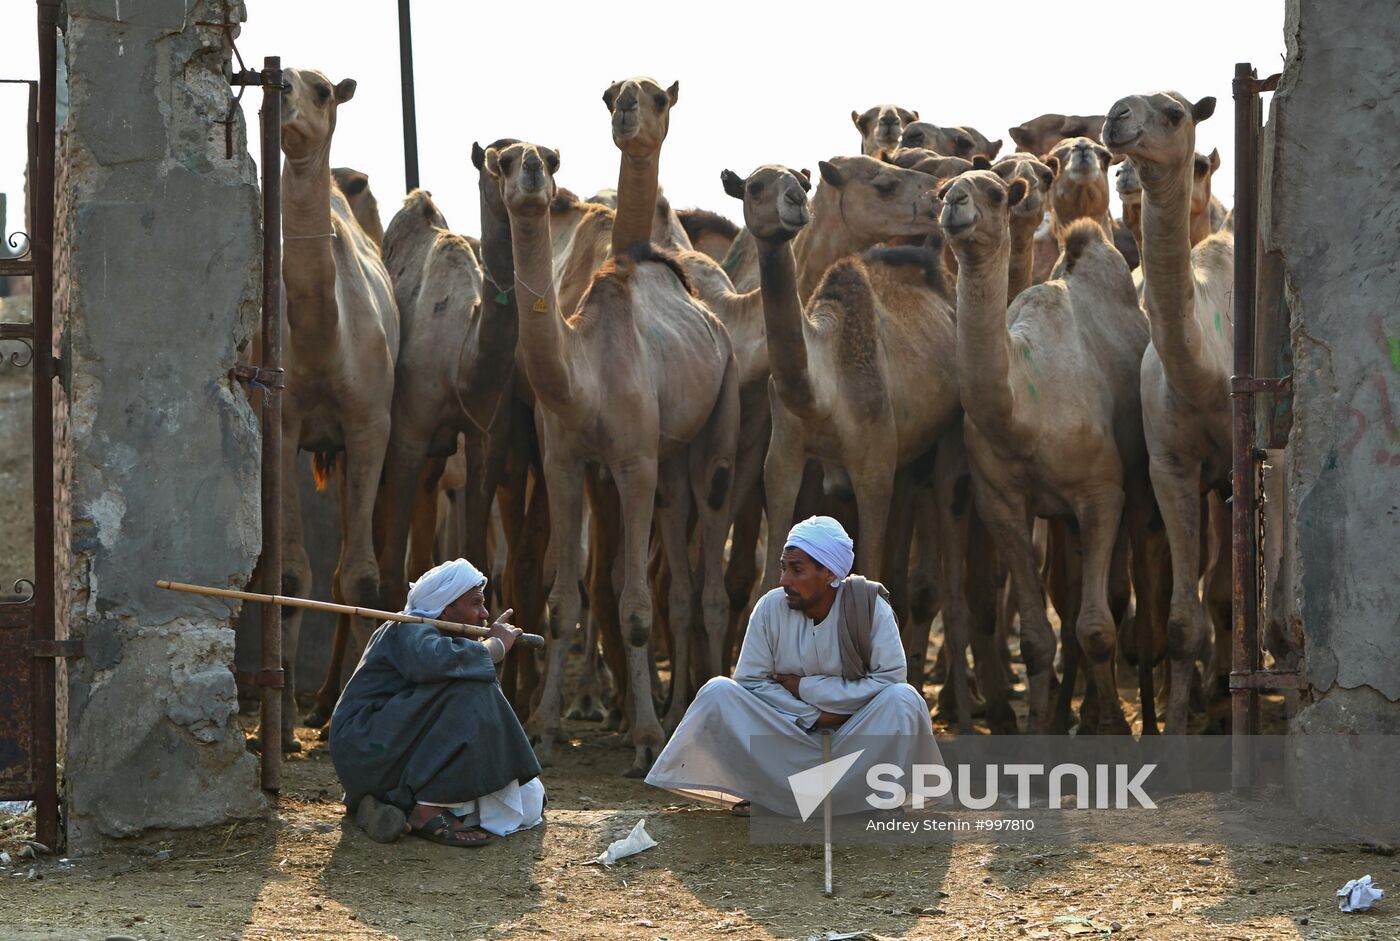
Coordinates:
[1078,924]
[15,807]
[1178,904]
[1358,894]
[862,935]
[630,845]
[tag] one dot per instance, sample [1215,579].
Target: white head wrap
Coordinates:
[440,586]
[825,541]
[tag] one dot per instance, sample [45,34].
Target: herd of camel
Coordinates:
[1004,392]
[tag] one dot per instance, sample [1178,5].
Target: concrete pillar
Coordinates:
[1329,212]
[159,284]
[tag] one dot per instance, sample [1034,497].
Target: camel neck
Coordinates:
[499,323]
[308,261]
[1168,285]
[1022,260]
[1200,219]
[785,324]
[984,344]
[636,200]
[544,336]
[825,240]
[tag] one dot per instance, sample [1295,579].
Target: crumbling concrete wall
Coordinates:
[1329,212]
[159,283]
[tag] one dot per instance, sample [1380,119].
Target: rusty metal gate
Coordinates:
[1260,339]
[31,635]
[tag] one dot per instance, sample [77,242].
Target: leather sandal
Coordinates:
[440,829]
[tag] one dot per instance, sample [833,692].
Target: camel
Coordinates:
[1038,135]
[709,232]
[1081,185]
[1026,215]
[1053,426]
[1186,369]
[881,126]
[363,206]
[340,344]
[965,142]
[1207,212]
[638,380]
[863,379]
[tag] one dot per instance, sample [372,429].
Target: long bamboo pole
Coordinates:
[473,631]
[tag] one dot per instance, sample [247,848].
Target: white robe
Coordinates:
[742,738]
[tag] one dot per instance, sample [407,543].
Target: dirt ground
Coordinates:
[305,875]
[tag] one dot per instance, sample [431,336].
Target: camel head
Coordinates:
[1079,160]
[641,114]
[1038,135]
[309,103]
[935,165]
[1158,131]
[1127,183]
[775,200]
[490,187]
[975,209]
[525,174]
[1202,168]
[966,142]
[876,200]
[881,126]
[1039,179]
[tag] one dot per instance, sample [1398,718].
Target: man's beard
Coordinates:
[796,602]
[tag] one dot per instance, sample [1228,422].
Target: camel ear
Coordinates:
[855,119]
[944,186]
[980,162]
[804,176]
[551,159]
[478,156]
[1203,109]
[1053,162]
[1215,160]
[908,116]
[1003,169]
[1016,191]
[1019,135]
[492,160]
[610,95]
[733,183]
[355,185]
[345,90]
[674,92]
[994,146]
[1105,156]
[830,174]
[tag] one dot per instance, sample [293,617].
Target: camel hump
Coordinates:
[1082,235]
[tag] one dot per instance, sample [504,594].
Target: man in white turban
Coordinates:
[822,653]
[422,738]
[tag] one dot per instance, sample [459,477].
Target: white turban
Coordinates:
[825,541]
[440,586]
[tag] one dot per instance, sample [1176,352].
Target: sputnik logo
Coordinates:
[810,787]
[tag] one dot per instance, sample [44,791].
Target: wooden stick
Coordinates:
[826,809]
[474,631]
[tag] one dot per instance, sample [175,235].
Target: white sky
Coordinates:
[759,82]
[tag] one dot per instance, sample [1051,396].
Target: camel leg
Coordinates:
[1219,591]
[741,574]
[672,519]
[712,457]
[984,576]
[873,484]
[1005,516]
[782,479]
[605,550]
[951,503]
[636,488]
[1151,571]
[565,517]
[423,528]
[1062,569]
[1099,518]
[923,580]
[587,703]
[1175,481]
[296,582]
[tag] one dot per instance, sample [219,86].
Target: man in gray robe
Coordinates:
[422,738]
[822,652]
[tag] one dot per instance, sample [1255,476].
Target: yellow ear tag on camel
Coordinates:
[541,306]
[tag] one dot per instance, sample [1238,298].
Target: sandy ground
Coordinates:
[305,875]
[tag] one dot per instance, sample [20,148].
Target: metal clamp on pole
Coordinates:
[267,679]
[265,378]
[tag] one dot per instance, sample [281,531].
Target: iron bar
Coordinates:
[410,108]
[1269,679]
[271,126]
[1244,699]
[42,126]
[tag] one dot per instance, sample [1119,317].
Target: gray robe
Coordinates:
[423,719]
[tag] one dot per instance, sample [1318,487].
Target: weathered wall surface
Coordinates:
[158,279]
[1329,211]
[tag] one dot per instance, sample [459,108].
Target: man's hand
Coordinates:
[789,682]
[504,631]
[831,720]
